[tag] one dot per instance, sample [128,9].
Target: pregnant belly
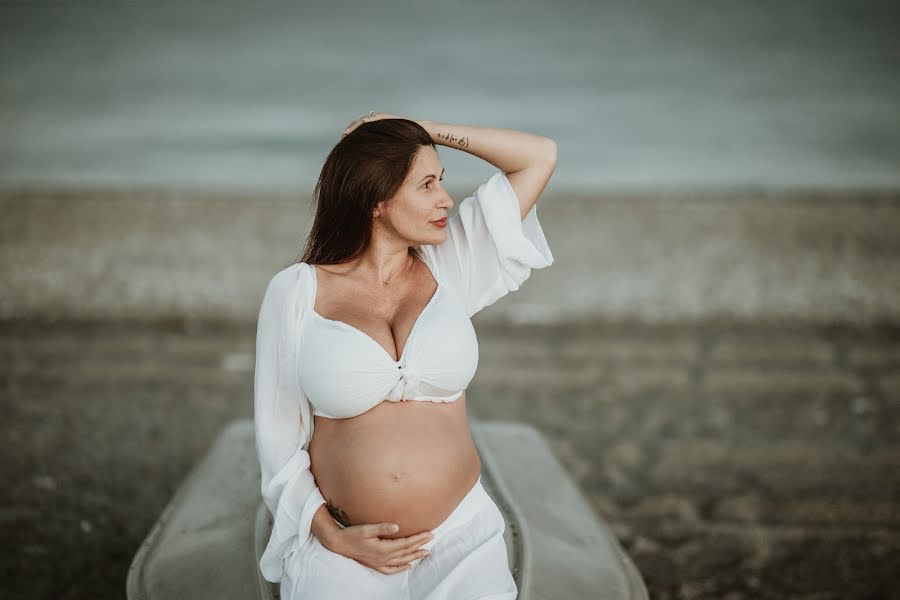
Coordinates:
[407,462]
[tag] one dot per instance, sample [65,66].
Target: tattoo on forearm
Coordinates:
[462,142]
[339,515]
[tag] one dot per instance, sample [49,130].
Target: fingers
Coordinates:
[402,562]
[354,124]
[393,544]
[382,529]
[395,554]
[365,119]
[408,557]
[408,544]
[391,570]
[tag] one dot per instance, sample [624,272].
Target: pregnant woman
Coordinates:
[364,350]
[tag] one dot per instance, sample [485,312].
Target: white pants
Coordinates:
[468,561]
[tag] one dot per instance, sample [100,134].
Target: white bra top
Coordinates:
[344,372]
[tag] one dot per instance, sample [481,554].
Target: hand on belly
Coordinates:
[413,473]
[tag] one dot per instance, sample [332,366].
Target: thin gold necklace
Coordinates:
[388,282]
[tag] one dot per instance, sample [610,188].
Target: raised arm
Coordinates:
[527,159]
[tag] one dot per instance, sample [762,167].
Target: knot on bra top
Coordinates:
[407,386]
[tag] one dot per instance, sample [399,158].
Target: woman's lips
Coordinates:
[441,223]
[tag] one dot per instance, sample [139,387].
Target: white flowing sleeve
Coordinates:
[490,250]
[281,414]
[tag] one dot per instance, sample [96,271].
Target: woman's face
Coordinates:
[420,201]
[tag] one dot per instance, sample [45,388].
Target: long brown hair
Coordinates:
[366,166]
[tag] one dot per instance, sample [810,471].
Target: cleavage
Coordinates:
[414,308]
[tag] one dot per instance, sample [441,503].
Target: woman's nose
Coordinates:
[448,201]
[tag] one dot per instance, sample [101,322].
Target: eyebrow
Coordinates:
[431,175]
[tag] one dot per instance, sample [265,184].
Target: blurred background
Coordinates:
[714,355]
